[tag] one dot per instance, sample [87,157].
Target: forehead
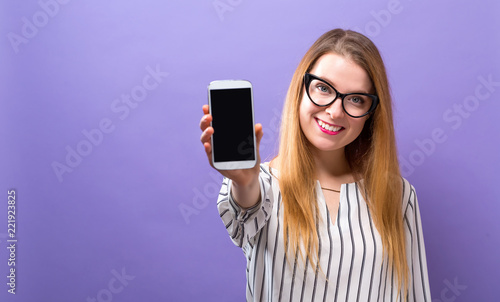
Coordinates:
[342,73]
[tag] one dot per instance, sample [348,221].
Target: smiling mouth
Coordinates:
[328,127]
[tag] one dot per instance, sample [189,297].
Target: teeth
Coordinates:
[328,127]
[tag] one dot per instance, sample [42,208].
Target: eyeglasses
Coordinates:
[322,94]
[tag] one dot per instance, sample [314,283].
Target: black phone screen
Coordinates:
[232,121]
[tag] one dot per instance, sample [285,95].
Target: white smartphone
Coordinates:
[233,141]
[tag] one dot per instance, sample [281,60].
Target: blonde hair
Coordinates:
[372,157]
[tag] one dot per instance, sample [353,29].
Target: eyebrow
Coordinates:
[329,82]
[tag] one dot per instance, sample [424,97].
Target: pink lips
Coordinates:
[328,131]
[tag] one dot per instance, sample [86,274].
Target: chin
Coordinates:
[327,147]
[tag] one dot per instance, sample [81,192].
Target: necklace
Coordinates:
[330,190]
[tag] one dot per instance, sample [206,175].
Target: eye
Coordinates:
[323,88]
[356,99]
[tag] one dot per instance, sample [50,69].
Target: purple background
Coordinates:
[120,207]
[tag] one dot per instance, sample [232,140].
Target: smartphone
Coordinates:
[233,140]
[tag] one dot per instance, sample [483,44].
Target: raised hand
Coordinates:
[245,181]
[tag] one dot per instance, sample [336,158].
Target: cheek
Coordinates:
[358,125]
[308,109]
[303,114]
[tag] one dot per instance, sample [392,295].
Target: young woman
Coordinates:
[329,218]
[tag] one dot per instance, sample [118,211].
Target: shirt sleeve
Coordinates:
[243,225]
[419,289]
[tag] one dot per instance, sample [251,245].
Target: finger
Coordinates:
[205,121]
[205,109]
[205,136]
[208,150]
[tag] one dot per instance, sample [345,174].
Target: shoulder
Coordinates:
[266,165]
[407,186]
[268,168]
[409,196]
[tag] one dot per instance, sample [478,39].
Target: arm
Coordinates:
[246,196]
[245,182]
[243,224]
[419,289]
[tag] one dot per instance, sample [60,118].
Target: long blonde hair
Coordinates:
[372,157]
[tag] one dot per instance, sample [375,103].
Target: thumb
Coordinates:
[258,134]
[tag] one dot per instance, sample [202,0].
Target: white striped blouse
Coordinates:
[351,262]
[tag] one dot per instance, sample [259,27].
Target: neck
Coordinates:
[332,167]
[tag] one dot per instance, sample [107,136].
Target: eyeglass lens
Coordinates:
[354,104]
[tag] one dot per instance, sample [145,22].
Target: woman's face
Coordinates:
[342,129]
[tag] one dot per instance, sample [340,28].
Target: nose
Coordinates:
[335,110]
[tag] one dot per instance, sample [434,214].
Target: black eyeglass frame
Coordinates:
[308,77]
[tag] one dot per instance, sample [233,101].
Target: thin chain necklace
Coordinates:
[330,190]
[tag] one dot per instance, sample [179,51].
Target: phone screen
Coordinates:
[232,121]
